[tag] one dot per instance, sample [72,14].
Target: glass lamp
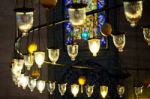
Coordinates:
[62,88]
[23,81]
[103,91]
[32,84]
[28,61]
[53,55]
[39,58]
[119,41]
[24,17]
[40,85]
[15,71]
[89,90]
[51,87]
[94,46]
[146,33]
[77,13]
[133,11]
[138,90]
[120,90]
[75,89]
[18,64]
[72,50]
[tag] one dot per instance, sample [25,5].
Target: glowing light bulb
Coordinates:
[39,58]
[103,91]
[94,46]
[75,89]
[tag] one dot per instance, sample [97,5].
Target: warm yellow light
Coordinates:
[94,46]
[39,58]
[75,89]
[103,91]
[82,80]
[53,55]
[32,47]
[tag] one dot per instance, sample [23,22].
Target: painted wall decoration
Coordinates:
[80,34]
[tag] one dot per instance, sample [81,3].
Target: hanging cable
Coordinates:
[39,15]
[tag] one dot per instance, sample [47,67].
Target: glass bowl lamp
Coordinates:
[120,90]
[40,85]
[94,46]
[77,13]
[18,64]
[23,81]
[89,90]
[72,50]
[28,61]
[146,33]
[15,71]
[75,89]
[24,17]
[51,87]
[103,91]
[119,41]
[62,88]
[32,84]
[133,11]
[138,90]
[39,58]
[53,55]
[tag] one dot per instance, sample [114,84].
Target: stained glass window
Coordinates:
[80,34]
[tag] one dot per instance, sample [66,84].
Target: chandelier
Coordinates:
[77,17]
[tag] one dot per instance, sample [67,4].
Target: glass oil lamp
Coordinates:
[146,33]
[32,84]
[40,85]
[53,55]
[75,89]
[119,41]
[24,17]
[120,90]
[62,88]
[39,58]
[94,46]
[133,11]
[28,61]
[77,13]
[89,90]
[138,90]
[72,50]
[103,91]
[51,87]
